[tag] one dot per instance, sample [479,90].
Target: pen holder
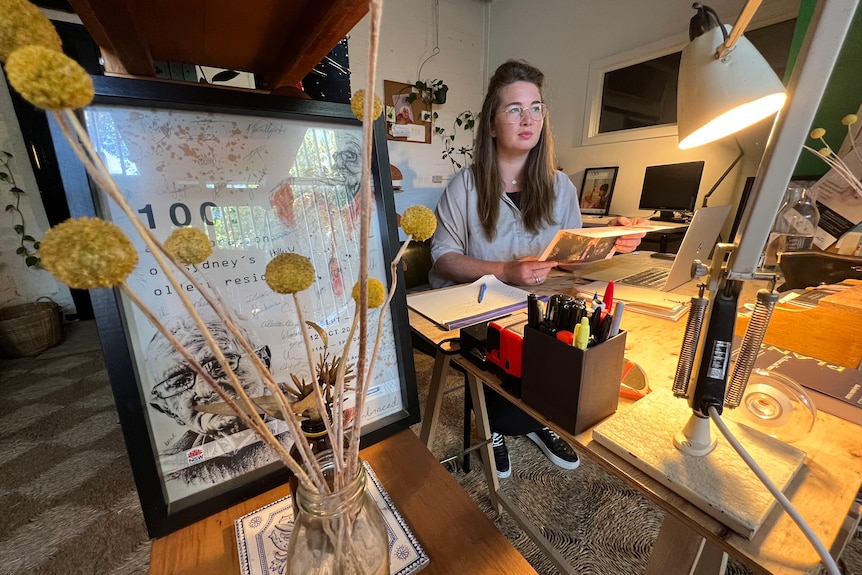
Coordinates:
[574,388]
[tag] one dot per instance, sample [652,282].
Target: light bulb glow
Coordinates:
[734,120]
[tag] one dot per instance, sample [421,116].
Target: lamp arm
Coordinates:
[724,175]
[739,27]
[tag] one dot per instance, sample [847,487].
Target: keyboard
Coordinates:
[654,278]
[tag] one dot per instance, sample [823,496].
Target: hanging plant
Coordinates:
[25,251]
[431,92]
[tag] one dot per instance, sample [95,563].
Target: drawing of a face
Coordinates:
[179,388]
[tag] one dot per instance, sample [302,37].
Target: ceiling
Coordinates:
[281,40]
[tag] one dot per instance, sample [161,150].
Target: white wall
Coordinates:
[408,37]
[18,283]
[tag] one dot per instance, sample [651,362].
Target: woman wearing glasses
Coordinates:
[498,215]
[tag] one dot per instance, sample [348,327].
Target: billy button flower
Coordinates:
[88,253]
[419,222]
[289,273]
[49,79]
[189,245]
[376,293]
[23,24]
[357,104]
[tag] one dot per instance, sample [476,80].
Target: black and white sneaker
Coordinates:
[557,450]
[501,456]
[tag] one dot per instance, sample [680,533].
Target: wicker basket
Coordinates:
[31,328]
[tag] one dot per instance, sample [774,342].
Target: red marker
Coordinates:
[608,299]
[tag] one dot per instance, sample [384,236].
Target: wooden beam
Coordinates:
[112,24]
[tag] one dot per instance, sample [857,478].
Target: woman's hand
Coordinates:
[527,272]
[629,243]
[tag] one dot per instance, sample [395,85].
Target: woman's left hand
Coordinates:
[628,243]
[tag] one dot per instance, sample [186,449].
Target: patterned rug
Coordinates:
[68,503]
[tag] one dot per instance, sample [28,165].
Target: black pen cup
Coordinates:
[571,387]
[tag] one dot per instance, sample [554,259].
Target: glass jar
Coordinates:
[794,227]
[342,532]
[315,434]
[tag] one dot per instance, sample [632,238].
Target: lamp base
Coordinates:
[695,438]
[720,483]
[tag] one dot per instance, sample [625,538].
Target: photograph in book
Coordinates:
[590,244]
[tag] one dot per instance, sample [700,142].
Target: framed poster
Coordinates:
[597,190]
[260,175]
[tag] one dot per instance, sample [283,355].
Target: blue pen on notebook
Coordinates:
[482,289]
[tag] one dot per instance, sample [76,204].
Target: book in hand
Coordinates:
[591,244]
[460,306]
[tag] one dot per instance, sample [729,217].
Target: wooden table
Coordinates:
[823,491]
[457,536]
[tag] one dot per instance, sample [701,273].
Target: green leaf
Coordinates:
[9,207]
[22,251]
[32,261]
[36,245]
[28,238]
[8,155]
[225,75]
[4,176]
[15,190]
[19,228]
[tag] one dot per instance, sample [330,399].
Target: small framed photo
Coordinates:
[597,190]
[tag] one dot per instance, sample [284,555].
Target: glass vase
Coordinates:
[342,532]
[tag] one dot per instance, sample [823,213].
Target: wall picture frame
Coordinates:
[261,175]
[597,190]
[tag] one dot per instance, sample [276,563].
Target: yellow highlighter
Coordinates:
[582,333]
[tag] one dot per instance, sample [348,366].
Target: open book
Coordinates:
[590,244]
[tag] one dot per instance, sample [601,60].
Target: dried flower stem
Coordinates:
[338,450]
[95,167]
[376,8]
[838,165]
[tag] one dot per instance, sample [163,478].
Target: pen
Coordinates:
[618,316]
[482,289]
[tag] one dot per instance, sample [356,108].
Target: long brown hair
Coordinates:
[537,192]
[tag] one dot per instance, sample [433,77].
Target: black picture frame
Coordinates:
[137,105]
[597,190]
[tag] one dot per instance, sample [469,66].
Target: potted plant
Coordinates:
[465,121]
[432,91]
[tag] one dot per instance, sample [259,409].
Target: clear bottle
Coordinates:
[315,434]
[793,230]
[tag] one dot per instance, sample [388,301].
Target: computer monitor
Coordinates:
[671,189]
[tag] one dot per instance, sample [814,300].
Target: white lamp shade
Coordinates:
[716,98]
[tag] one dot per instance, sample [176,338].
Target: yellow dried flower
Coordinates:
[376,293]
[357,104]
[189,245]
[849,119]
[23,24]
[825,152]
[818,133]
[49,79]
[419,222]
[289,273]
[87,253]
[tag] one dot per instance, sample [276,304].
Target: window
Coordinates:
[633,95]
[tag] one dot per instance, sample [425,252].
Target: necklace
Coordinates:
[514,182]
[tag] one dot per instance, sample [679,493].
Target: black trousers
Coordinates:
[506,418]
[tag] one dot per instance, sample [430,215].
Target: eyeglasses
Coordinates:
[186,379]
[513,114]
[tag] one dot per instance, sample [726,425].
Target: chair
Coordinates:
[808,269]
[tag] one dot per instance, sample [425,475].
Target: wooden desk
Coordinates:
[457,536]
[823,492]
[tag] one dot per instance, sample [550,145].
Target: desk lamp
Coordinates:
[722,89]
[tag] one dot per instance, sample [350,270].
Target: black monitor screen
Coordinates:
[671,187]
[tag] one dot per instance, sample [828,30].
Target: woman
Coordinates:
[496,216]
